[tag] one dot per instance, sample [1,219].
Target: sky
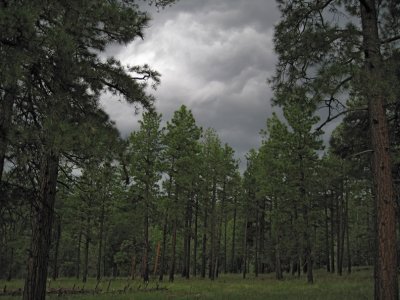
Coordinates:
[215,57]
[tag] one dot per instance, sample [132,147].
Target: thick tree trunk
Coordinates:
[6,111]
[386,284]
[42,222]
[57,246]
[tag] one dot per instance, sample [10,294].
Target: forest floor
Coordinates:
[358,285]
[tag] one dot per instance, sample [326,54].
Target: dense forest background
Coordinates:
[77,200]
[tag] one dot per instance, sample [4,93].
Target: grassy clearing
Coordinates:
[358,285]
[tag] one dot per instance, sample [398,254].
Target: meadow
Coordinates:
[358,285]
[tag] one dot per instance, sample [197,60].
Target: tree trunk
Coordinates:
[386,284]
[204,246]
[347,234]
[164,247]
[225,244]
[6,111]
[42,222]
[78,254]
[87,244]
[57,246]
[233,265]
[101,233]
[211,274]
[278,267]
[145,260]
[245,245]
[173,255]
[332,244]
[189,237]
[195,238]
[328,267]
[11,264]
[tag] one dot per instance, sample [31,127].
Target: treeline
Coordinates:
[171,201]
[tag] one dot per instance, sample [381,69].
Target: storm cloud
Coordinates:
[215,56]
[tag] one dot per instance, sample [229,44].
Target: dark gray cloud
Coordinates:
[215,57]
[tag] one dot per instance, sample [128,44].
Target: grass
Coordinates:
[358,285]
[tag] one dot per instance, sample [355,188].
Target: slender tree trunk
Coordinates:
[386,284]
[347,234]
[256,244]
[327,259]
[278,267]
[245,246]
[78,255]
[42,221]
[174,229]
[87,245]
[233,254]
[173,255]
[213,225]
[57,246]
[195,241]
[11,264]
[338,234]
[204,246]
[225,244]
[145,260]
[306,233]
[164,247]
[261,237]
[332,244]
[189,235]
[101,233]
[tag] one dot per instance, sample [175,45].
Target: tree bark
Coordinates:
[204,245]
[101,233]
[6,111]
[327,258]
[332,244]
[42,222]
[195,241]
[233,265]
[87,245]
[57,246]
[164,247]
[211,274]
[386,284]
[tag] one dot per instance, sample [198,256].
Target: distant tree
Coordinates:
[181,149]
[145,153]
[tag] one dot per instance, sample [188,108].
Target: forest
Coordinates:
[170,202]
